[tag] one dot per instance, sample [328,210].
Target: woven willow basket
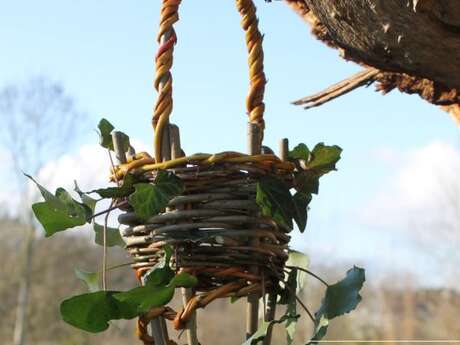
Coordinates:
[215,228]
[213,225]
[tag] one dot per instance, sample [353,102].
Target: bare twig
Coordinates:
[271,303]
[187,294]
[363,78]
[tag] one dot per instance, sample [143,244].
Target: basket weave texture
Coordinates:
[215,228]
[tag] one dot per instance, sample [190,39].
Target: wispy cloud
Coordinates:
[418,188]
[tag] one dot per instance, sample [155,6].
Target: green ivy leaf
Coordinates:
[288,297]
[320,330]
[113,236]
[150,199]
[318,162]
[307,182]
[124,190]
[89,278]
[85,198]
[265,327]
[163,273]
[92,312]
[298,259]
[47,195]
[324,158]
[301,151]
[151,296]
[294,284]
[301,202]
[291,323]
[184,280]
[54,220]
[105,133]
[340,298]
[75,208]
[59,212]
[343,296]
[275,200]
[146,297]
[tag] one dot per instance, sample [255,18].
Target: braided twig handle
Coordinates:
[164,60]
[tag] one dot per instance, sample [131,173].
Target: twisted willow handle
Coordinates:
[164,60]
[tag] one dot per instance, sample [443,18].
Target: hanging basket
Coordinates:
[216,228]
[214,225]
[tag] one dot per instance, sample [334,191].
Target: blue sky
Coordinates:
[102,51]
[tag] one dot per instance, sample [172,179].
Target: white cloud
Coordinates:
[417,211]
[418,188]
[89,166]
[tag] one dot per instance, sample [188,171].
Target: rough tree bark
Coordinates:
[414,44]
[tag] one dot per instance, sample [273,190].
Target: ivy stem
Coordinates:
[110,209]
[104,255]
[301,303]
[309,273]
[119,266]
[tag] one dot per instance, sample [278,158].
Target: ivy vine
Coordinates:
[93,311]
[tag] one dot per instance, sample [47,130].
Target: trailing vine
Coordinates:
[285,202]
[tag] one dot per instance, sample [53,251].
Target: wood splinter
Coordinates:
[363,78]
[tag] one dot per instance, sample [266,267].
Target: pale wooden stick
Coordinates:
[166,145]
[156,326]
[271,305]
[174,138]
[252,309]
[131,152]
[362,78]
[191,327]
[284,149]
[187,294]
[270,316]
[117,139]
[159,323]
[254,134]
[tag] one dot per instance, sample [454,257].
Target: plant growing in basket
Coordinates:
[213,225]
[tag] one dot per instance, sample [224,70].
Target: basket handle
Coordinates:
[164,60]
